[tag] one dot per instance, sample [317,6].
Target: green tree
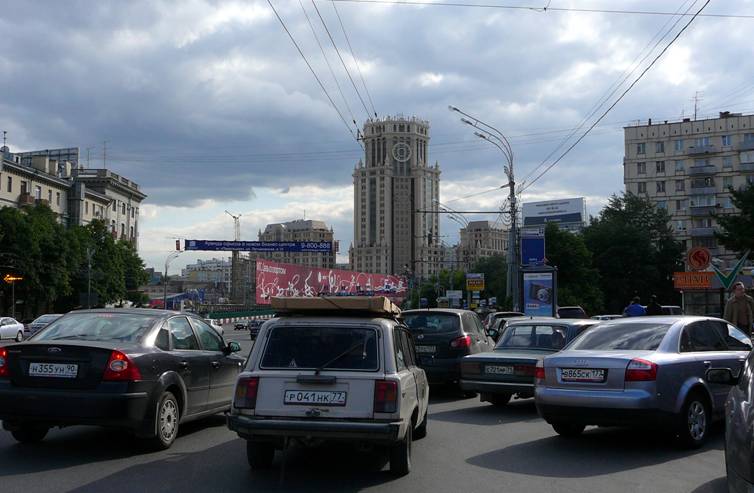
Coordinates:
[737,230]
[634,251]
[495,270]
[578,280]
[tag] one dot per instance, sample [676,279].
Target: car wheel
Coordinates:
[259,454]
[693,422]
[400,455]
[568,429]
[500,400]
[168,417]
[19,336]
[421,430]
[30,434]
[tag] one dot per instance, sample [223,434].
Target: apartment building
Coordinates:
[478,240]
[688,168]
[300,230]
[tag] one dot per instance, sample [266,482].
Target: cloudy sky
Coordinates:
[208,105]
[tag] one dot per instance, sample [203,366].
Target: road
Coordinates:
[471,446]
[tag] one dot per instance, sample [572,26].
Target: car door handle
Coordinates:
[707,364]
[183,365]
[215,364]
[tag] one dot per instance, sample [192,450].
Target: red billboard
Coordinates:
[275,279]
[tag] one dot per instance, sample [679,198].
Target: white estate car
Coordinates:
[10,328]
[336,368]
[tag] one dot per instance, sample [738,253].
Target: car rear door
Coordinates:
[191,363]
[480,341]
[422,384]
[404,366]
[6,328]
[224,367]
[709,349]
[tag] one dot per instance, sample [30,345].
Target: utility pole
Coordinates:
[169,258]
[89,253]
[104,154]
[696,99]
[235,268]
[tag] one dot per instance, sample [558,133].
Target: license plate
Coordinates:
[425,349]
[54,370]
[582,375]
[301,397]
[498,370]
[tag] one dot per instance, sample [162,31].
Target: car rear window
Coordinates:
[344,348]
[532,337]
[571,313]
[429,322]
[120,327]
[625,336]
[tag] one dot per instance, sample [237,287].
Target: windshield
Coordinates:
[625,336]
[430,322]
[121,327]
[532,337]
[311,347]
[46,319]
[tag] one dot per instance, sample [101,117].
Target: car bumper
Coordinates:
[252,428]
[497,387]
[442,371]
[72,407]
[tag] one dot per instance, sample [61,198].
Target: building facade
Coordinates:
[688,168]
[478,240]
[396,193]
[300,230]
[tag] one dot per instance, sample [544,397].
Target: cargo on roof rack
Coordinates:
[378,305]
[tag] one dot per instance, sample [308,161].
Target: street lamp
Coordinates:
[169,259]
[11,279]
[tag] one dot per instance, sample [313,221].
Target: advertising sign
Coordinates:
[532,250]
[538,294]
[692,280]
[260,246]
[474,281]
[277,279]
[571,211]
[698,258]
[454,294]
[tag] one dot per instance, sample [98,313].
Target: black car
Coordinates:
[140,370]
[253,326]
[571,312]
[443,337]
[239,326]
[509,369]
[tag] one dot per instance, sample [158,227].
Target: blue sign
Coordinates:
[539,294]
[260,246]
[533,250]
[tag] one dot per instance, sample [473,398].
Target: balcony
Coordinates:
[42,202]
[702,211]
[702,232]
[708,149]
[747,167]
[25,199]
[703,190]
[702,170]
[747,145]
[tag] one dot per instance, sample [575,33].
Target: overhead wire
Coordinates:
[623,94]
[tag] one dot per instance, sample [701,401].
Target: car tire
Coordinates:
[166,422]
[692,424]
[19,336]
[568,430]
[29,434]
[260,454]
[421,430]
[500,400]
[400,455]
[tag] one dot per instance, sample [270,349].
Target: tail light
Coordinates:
[470,368]
[120,368]
[3,362]
[539,373]
[525,370]
[385,396]
[461,343]
[641,370]
[246,393]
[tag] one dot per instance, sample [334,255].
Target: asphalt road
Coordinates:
[471,446]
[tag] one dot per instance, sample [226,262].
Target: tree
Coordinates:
[495,270]
[634,251]
[578,280]
[737,230]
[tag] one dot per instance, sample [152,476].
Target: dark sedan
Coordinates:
[145,371]
[40,323]
[253,327]
[509,369]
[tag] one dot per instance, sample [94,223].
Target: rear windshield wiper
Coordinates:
[341,355]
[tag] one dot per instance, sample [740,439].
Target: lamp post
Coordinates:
[11,279]
[170,258]
[492,135]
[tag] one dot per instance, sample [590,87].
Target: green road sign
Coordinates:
[727,279]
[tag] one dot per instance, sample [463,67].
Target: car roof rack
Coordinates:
[337,305]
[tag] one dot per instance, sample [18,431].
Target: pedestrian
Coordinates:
[654,308]
[738,309]
[635,309]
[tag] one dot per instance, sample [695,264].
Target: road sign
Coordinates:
[698,258]
[453,294]
[727,279]
[474,281]
[692,280]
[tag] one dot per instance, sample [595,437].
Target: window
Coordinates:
[641,148]
[210,339]
[38,192]
[704,242]
[133,211]
[701,141]
[86,207]
[701,162]
[432,322]
[750,179]
[680,225]
[728,203]
[49,196]
[659,147]
[703,182]
[400,356]
[112,226]
[679,166]
[641,168]
[639,336]
[23,187]
[182,336]
[680,185]
[660,166]
[123,209]
[57,198]
[748,137]
[162,341]
[123,229]
[115,206]
[10,184]
[132,232]
[678,145]
[701,336]
[408,348]
[122,328]
[662,204]
[642,187]
[530,336]
[702,200]
[727,182]
[727,162]
[660,187]
[726,140]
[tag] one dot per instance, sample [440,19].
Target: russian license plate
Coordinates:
[498,370]
[425,349]
[54,370]
[320,398]
[582,375]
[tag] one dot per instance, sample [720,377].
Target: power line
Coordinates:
[313,72]
[355,60]
[540,9]
[345,67]
[332,72]
[641,75]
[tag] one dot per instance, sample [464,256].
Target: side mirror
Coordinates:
[721,375]
[233,347]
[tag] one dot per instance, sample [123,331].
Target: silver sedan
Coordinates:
[641,371]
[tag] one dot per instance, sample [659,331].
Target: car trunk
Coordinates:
[58,365]
[502,366]
[436,345]
[331,394]
[585,370]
